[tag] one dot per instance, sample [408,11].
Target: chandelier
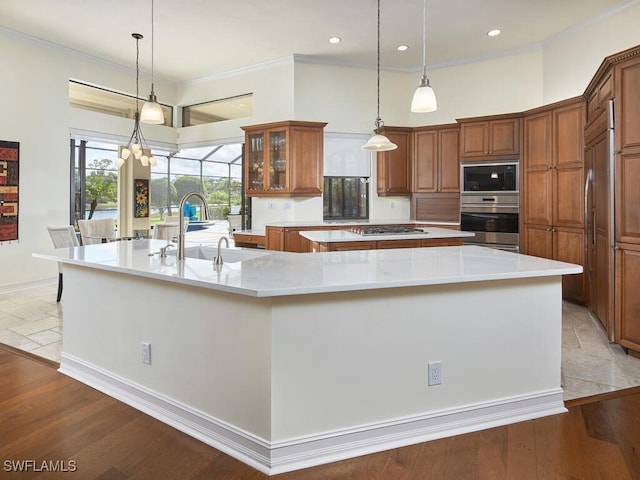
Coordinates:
[137,145]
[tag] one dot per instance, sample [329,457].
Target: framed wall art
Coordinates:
[141,196]
[9,176]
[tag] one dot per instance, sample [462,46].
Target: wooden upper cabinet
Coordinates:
[435,164]
[449,160]
[394,166]
[568,165]
[628,197]
[598,95]
[284,159]
[627,109]
[553,166]
[536,175]
[496,138]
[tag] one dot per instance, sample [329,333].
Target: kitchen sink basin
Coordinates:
[229,255]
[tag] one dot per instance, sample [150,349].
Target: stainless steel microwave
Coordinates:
[482,177]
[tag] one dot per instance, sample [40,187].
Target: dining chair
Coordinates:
[166,231]
[94,231]
[62,236]
[235,223]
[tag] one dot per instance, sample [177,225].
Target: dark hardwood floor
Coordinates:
[48,417]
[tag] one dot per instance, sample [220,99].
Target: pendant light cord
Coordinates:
[137,72]
[152,42]
[424,39]
[378,120]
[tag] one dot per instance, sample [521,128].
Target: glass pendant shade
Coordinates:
[152,111]
[379,143]
[424,99]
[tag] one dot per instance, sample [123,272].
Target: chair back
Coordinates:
[63,236]
[166,231]
[235,223]
[93,231]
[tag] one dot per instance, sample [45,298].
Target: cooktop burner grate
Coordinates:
[385,230]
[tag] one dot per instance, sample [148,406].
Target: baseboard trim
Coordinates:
[19,287]
[294,454]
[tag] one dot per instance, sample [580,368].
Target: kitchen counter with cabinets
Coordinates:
[287,360]
[334,240]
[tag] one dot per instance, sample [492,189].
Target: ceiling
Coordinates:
[200,38]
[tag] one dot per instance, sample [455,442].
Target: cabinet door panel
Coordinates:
[504,137]
[450,160]
[537,199]
[628,300]
[474,139]
[568,137]
[393,167]
[628,105]
[306,171]
[538,241]
[569,246]
[628,198]
[425,165]
[569,202]
[537,142]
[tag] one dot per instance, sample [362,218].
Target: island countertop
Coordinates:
[269,274]
[331,236]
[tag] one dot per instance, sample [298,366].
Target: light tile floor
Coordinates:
[31,320]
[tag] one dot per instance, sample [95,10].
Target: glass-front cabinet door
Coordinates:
[256,167]
[283,159]
[278,160]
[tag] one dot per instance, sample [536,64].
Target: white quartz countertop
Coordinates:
[330,236]
[265,273]
[349,223]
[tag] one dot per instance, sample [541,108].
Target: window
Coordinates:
[95,180]
[214,170]
[240,106]
[101,100]
[346,198]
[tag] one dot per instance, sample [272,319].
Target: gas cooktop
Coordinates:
[385,230]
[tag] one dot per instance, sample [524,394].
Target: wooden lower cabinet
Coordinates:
[627,325]
[562,244]
[247,240]
[385,244]
[274,238]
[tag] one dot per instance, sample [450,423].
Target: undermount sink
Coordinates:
[229,255]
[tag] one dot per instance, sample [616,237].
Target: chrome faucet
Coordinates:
[181,226]
[218,259]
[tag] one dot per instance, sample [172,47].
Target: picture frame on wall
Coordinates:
[9,186]
[141,198]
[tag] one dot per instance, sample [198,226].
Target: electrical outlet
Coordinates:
[145,352]
[435,373]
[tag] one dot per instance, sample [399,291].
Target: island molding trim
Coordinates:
[279,457]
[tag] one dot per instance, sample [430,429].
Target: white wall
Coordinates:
[272,88]
[571,60]
[35,112]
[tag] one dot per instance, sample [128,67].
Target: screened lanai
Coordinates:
[214,170]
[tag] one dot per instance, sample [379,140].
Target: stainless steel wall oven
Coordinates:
[490,203]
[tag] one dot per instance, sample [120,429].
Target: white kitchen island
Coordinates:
[288,360]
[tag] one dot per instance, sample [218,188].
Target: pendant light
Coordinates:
[378,142]
[137,145]
[424,100]
[151,110]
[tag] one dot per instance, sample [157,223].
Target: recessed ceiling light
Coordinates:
[335,40]
[494,33]
[403,48]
